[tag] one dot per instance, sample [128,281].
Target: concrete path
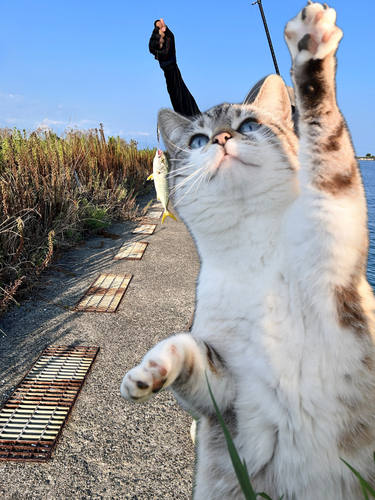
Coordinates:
[109,448]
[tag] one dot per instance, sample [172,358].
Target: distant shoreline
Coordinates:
[365,158]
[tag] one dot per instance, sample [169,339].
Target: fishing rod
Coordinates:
[259,2]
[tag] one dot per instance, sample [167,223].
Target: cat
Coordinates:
[284,320]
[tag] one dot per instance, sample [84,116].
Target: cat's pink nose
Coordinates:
[221,138]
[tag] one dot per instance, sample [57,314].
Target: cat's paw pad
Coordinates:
[313,34]
[159,368]
[146,379]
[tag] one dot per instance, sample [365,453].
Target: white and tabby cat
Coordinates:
[284,321]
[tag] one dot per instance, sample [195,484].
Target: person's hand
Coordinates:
[162,29]
[161,44]
[157,38]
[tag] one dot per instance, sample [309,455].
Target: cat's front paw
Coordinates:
[140,383]
[312,34]
[158,369]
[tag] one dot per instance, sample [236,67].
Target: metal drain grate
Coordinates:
[153,214]
[33,417]
[105,294]
[132,251]
[144,229]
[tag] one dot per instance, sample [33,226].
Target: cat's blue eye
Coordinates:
[248,126]
[198,141]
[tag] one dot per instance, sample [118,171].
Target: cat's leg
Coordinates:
[325,145]
[327,242]
[181,363]
[331,209]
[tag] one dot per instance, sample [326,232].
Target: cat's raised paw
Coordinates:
[312,34]
[146,379]
[158,369]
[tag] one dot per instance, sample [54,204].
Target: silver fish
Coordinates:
[159,175]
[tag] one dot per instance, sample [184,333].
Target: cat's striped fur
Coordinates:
[284,321]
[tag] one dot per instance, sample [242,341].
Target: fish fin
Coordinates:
[150,177]
[167,213]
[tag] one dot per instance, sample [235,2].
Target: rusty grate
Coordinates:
[32,419]
[154,214]
[132,251]
[105,294]
[144,229]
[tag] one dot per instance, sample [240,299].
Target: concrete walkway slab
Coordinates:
[110,448]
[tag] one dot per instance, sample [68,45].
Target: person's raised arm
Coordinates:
[162,46]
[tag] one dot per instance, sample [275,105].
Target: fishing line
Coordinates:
[259,3]
[159,11]
[258,22]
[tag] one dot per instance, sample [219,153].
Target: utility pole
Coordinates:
[259,2]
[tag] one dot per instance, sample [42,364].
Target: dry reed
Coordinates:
[54,190]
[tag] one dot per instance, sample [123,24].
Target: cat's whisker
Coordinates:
[249,97]
[260,160]
[209,177]
[204,174]
[278,155]
[178,147]
[270,153]
[183,175]
[177,174]
[190,188]
[177,171]
[182,183]
[191,176]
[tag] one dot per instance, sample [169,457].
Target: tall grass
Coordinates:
[53,190]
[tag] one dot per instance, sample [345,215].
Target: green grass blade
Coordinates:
[364,484]
[264,495]
[239,467]
[365,495]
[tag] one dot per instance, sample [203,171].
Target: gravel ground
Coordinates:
[109,448]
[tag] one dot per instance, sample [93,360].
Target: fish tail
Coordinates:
[167,213]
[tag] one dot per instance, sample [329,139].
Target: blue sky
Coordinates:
[87,62]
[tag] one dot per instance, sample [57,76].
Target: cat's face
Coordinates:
[231,154]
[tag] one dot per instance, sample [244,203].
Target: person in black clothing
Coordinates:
[162,46]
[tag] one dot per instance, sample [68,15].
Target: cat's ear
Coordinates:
[172,127]
[273,97]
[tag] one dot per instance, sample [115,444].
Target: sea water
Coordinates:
[368,175]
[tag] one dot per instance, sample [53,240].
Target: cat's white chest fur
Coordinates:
[274,320]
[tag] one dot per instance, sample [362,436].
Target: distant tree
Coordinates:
[369,154]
